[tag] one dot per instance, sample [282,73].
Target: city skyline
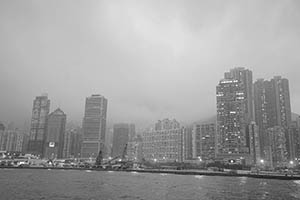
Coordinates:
[150,59]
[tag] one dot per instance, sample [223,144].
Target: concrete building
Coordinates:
[94,126]
[294,135]
[73,142]
[254,143]
[135,149]
[187,143]
[165,143]
[121,134]
[272,108]
[275,147]
[40,111]
[232,121]
[204,141]
[55,135]
[11,140]
[244,76]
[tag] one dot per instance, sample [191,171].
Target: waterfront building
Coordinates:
[11,140]
[275,147]
[204,141]
[232,121]
[254,143]
[294,135]
[94,126]
[40,111]
[272,108]
[120,138]
[135,149]
[187,143]
[73,142]
[165,143]
[55,135]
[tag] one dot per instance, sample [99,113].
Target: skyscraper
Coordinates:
[54,140]
[120,138]
[246,81]
[40,111]
[234,114]
[94,126]
[272,108]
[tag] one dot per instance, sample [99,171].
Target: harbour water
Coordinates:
[105,185]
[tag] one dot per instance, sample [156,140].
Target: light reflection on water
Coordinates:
[80,185]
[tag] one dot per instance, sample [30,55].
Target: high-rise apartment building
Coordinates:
[121,134]
[246,85]
[231,120]
[204,141]
[40,111]
[275,147]
[165,143]
[94,126]
[272,108]
[187,142]
[55,135]
[254,143]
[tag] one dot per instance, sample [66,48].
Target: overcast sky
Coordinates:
[150,59]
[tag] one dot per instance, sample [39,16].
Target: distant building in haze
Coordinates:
[55,135]
[272,108]
[94,126]
[204,141]
[275,147]
[135,149]
[165,143]
[187,143]
[121,135]
[73,142]
[40,111]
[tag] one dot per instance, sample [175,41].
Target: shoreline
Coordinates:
[176,172]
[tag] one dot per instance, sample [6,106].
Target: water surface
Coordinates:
[94,185]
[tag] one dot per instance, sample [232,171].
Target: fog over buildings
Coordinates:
[150,59]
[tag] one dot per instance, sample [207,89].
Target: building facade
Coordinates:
[73,142]
[40,111]
[94,126]
[187,143]
[204,141]
[165,143]
[121,134]
[135,149]
[272,108]
[55,135]
[275,147]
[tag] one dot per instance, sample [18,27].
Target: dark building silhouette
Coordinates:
[73,141]
[94,126]
[272,108]
[54,140]
[121,134]
[40,111]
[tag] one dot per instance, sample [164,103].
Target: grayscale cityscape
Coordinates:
[150,100]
